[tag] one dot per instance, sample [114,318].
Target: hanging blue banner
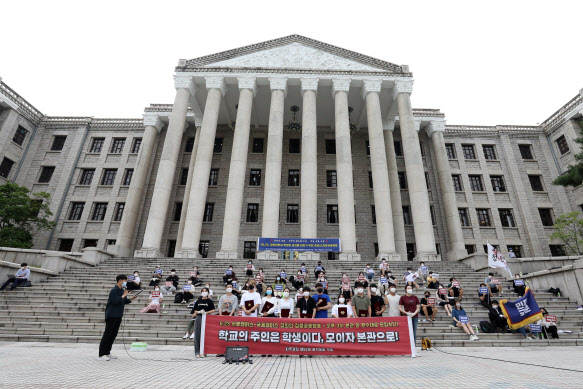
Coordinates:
[284,244]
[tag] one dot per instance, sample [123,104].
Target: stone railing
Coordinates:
[567,278]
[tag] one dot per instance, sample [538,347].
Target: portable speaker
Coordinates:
[237,354]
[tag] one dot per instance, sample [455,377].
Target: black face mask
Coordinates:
[320,290]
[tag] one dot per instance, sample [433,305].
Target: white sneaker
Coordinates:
[414,355]
[111,356]
[183,301]
[476,337]
[103,358]
[192,336]
[185,336]
[424,320]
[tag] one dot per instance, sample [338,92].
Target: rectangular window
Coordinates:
[450,150]
[218,146]
[506,218]
[171,248]
[407,218]
[189,145]
[469,152]
[76,211]
[6,167]
[177,212]
[209,208]
[19,135]
[433,218]
[118,212]
[203,248]
[402,180]
[96,145]
[332,214]
[46,174]
[99,210]
[457,182]
[333,256]
[257,145]
[183,176]
[476,183]
[398,148]
[108,177]
[484,219]
[427,181]
[557,250]
[331,178]
[293,178]
[546,216]
[330,146]
[411,251]
[89,243]
[376,249]
[526,151]
[86,176]
[58,142]
[470,248]
[117,145]
[127,178]
[214,177]
[489,152]
[293,213]
[252,213]
[255,177]
[249,249]
[494,245]
[517,250]
[294,146]
[374,214]
[536,183]
[437,249]
[464,217]
[562,144]
[498,183]
[370,179]
[136,145]
[66,245]
[367,148]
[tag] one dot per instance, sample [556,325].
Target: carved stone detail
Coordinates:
[309,84]
[186,82]
[371,86]
[389,125]
[217,82]
[278,83]
[248,83]
[340,84]
[435,126]
[402,86]
[153,120]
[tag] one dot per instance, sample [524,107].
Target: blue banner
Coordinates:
[284,244]
[521,312]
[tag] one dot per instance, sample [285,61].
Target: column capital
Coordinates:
[217,82]
[309,84]
[417,124]
[388,125]
[340,84]
[248,83]
[402,86]
[153,119]
[435,126]
[369,86]
[197,121]
[278,83]
[185,82]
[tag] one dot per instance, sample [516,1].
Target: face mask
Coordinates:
[173,273]
[458,305]
[268,292]
[517,277]
[157,289]
[320,290]
[190,282]
[426,296]
[368,267]
[277,278]
[494,306]
[341,300]
[409,291]
[285,294]
[393,290]
[204,294]
[207,286]
[136,274]
[389,274]
[306,294]
[373,290]
[249,263]
[489,276]
[123,285]
[229,290]
[360,290]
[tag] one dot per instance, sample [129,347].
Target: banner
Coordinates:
[275,336]
[521,312]
[495,259]
[283,244]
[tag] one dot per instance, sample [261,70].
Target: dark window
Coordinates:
[294,146]
[108,177]
[489,152]
[427,180]
[252,213]
[450,149]
[171,248]
[497,247]
[5,167]
[293,178]
[498,183]
[370,179]
[411,251]
[476,183]
[437,249]
[506,218]
[546,216]
[58,142]
[376,249]
[118,212]
[457,182]
[218,146]
[402,180]
[557,250]
[127,178]
[367,148]
[470,248]
[517,250]
[374,214]
[398,149]
[249,250]
[177,212]
[464,217]
[209,208]
[89,243]
[331,178]
[526,151]
[333,256]
[433,218]
[255,177]
[19,136]
[117,145]
[86,176]
[76,211]
[203,248]
[469,152]
[214,177]
[257,145]
[332,213]
[136,145]
[96,145]
[330,146]
[66,245]
[536,183]
[293,213]
[99,210]
[189,145]
[45,174]
[422,149]
[407,218]
[183,176]
[484,218]
[110,242]
[563,145]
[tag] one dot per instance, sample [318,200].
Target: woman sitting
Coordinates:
[457,314]
[154,303]
[443,300]
[135,282]
[548,326]
[156,276]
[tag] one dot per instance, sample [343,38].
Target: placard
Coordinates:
[464,319]
[431,301]
[318,268]
[192,274]
[155,294]
[279,287]
[361,277]
[484,289]
[535,328]
[168,284]
[283,275]
[519,282]
[384,280]
[228,272]
[345,280]
[158,271]
[131,277]
[455,284]
[345,287]
[186,288]
[442,291]
[424,269]
[551,319]
[495,281]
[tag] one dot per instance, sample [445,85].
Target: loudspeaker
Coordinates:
[237,354]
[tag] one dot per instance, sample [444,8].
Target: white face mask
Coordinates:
[458,305]
[285,294]
[136,274]
[389,274]
[229,290]
[393,290]
[409,291]
[190,282]
[341,300]
[207,286]
[368,267]
[360,290]
[204,294]
[173,273]
[306,294]
[156,290]
[494,306]
[374,290]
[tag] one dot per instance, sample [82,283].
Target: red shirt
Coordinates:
[409,303]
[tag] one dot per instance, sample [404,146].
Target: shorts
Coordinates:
[456,292]
[444,303]
[429,311]
[494,288]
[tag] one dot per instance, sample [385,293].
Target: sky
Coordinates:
[482,63]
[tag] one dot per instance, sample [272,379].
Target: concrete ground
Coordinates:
[58,365]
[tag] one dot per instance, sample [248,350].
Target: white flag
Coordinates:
[495,259]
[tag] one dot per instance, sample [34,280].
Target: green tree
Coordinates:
[574,175]
[569,230]
[21,214]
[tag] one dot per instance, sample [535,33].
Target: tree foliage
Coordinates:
[574,174]
[21,214]
[569,230]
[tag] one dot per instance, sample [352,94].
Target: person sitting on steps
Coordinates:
[21,276]
[173,278]
[135,283]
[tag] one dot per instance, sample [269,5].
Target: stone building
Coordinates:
[292,138]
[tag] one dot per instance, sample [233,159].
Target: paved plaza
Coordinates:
[51,365]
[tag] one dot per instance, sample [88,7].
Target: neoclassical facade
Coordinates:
[292,138]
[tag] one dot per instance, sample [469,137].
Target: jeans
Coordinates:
[15,282]
[522,330]
[415,321]
[369,276]
[111,328]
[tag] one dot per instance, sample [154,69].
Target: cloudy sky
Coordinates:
[482,63]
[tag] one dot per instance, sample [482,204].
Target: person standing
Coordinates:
[342,307]
[228,302]
[377,302]
[360,302]
[285,305]
[22,276]
[113,315]
[409,306]
[250,301]
[392,301]
[268,304]
[203,306]
[306,305]
[323,303]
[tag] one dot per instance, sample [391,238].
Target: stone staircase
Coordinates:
[70,307]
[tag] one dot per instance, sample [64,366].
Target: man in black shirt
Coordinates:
[306,305]
[428,310]
[113,315]
[496,317]
[377,303]
[171,278]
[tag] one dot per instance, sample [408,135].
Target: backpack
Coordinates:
[487,327]
[425,343]
[178,297]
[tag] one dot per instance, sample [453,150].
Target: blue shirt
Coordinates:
[457,313]
[23,273]
[322,314]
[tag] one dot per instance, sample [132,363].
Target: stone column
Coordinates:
[380,173]
[166,169]
[395,189]
[237,170]
[153,125]
[347,227]
[424,239]
[435,130]
[202,167]
[309,172]
[271,197]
